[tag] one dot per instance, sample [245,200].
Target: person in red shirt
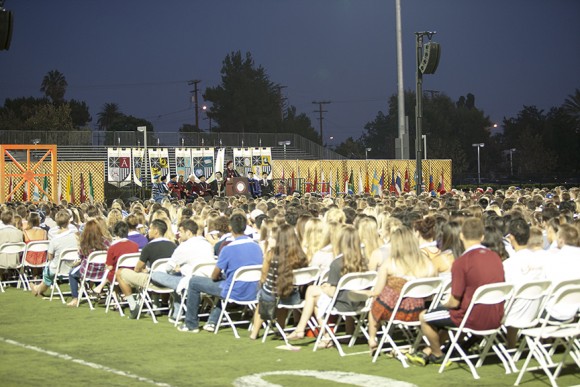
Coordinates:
[120,246]
[477,266]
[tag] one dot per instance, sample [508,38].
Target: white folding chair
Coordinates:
[32,247]
[444,292]
[13,248]
[567,296]
[302,277]
[352,283]
[489,294]
[251,273]
[95,258]
[418,288]
[128,261]
[202,269]
[151,288]
[536,292]
[64,264]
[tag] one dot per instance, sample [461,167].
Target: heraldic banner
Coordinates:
[119,166]
[159,162]
[183,162]
[256,160]
[138,155]
[203,160]
[219,163]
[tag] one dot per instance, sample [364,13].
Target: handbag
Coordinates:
[267,309]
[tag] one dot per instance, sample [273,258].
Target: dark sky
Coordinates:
[140,53]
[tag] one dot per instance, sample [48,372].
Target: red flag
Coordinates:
[308,183]
[367,188]
[431,184]
[382,181]
[315,186]
[83,194]
[392,186]
[441,187]
[25,193]
[293,186]
[407,185]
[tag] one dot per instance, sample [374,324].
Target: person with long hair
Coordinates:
[318,298]
[368,233]
[330,237]
[406,262]
[33,232]
[277,277]
[91,239]
[450,245]
[425,231]
[311,241]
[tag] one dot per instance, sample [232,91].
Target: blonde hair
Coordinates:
[368,233]
[161,215]
[312,241]
[407,256]
[349,246]
[335,215]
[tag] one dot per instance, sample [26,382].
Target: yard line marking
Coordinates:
[85,363]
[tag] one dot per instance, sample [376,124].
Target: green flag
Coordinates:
[45,189]
[91,189]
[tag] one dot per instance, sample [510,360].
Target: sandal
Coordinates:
[373,346]
[296,335]
[325,343]
[73,303]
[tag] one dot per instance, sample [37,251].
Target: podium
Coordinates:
[237,186]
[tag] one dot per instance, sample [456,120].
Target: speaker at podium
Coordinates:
[237,186]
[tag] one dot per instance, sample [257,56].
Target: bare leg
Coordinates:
[312,294]
[432,335]
[38,290]
[256,324]
[126,289]
[373,327]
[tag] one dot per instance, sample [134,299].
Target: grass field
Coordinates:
[46,343]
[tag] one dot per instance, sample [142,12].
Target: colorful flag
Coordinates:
[361,188]
[91,189]
[308,183]
[431,184]
[315,185]
[441,187]
[293,184]
[375,190]
[337,183]
[350,186]
[323,184]
[382,183]
[25,193]
[35,194]
[59,189]
[392,187]
[69,189]
[45,189]
[82,194]
[367,188]
[407,187]
[329,185]
[10,189]
[398,185]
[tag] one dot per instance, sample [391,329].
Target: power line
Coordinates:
[320,111]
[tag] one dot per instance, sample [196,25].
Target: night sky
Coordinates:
[140,53]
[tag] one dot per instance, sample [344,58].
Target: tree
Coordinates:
[188,128]
[54,86]
[50,117]
[572,107]
[299,124]
[351,148]
[246,100]
[79,112]
[109,114]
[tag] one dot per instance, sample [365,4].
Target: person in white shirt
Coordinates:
[192,249]
[522,266]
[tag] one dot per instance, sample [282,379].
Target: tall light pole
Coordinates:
[367,150]
[143,129]
[207,117]
[194,82]
[512,150]
[285,144]
[424,136]
[404,150]
[478,146]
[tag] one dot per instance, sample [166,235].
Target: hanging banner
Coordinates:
[138,154]
[243,160]
[159,162]
[219,163]
[203,161]
[119,165]
[183,162]
[262,161]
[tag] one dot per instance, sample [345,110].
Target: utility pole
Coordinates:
[194,82]
[282,105]
[320,118]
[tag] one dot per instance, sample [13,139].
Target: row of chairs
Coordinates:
[24,265]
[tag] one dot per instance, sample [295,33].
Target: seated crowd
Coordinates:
[474,238]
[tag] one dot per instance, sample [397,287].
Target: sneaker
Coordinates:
[438,360]
[134,313]
[184,328]
[210,327]
[420,358]
[172,319]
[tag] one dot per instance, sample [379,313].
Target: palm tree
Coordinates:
[54,86]
[572,106]
[108,115]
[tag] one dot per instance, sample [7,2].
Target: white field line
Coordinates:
[84,363]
